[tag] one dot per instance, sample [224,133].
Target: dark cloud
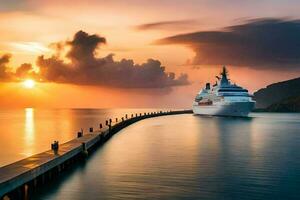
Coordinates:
[86,68]
[260,43]
[25,71]
[4,73]
[166,25]
[22,72]
[83,47]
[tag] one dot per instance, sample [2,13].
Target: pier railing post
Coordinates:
[55,146]
[79,134]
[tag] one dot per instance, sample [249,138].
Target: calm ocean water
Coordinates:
[25,132]
[174,157]
[192,157]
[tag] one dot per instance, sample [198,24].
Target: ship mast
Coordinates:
[224,80]
[224,72]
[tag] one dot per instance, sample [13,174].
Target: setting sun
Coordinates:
[29,83]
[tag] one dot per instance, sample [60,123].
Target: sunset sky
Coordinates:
[140,53]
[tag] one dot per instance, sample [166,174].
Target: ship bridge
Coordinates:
[225,88]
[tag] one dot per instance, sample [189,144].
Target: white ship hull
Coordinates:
[237,109]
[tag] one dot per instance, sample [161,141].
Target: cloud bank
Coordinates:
[260,44]
[85,68]
[22,72]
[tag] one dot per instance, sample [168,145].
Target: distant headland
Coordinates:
[279,97]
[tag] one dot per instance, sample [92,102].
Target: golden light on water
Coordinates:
[29,131]
[29,83]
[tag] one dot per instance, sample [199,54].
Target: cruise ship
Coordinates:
[223,99]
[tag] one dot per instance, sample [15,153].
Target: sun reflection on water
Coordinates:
[29,131]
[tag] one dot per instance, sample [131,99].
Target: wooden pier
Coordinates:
[20,179]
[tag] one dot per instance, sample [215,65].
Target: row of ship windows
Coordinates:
[243,90]
[197,99]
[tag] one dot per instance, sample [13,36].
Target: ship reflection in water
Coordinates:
[192,157]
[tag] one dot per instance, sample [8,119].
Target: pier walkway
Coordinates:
[20,179]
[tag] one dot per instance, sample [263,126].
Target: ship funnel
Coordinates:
[207,87]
